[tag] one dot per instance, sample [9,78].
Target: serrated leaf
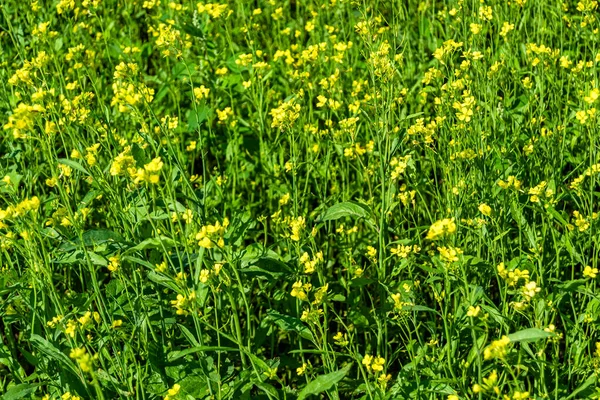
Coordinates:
[323,382]
[529,335]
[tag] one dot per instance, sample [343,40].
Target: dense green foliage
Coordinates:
[293,199]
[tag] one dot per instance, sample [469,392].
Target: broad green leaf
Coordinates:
[139,155]
[153,243]
[51,351]
[73,164]
[196,117]
[344,209]
[323,382]
[162,280]
[556,215]
[289,324]
[529,335]
[98,236]
[20,391]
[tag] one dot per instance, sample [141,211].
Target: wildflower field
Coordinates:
[299,199]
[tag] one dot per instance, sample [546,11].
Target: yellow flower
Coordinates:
[371,251]
[340,339]
[201,92]
[301,370]
[529,290]
[204,275]
[367,359]
[506,28]
[441,228]
[497,349]
[172,392]
[473,311]
[113,263]
[485,209]
[590,272]
[83,359]
[383,380]
[377,364]
[298,291]
[116,323]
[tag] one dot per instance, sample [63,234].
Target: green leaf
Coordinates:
[163,280]
[420,308]
[529,335]
[289,324]
[139,155]
[58,44]
[267,388]
[323,382]
[153,243]
[99,236]
[20,391]
[588,382]
[344,209]
[73,164]
[174,355]
[556,215]
[196,117]
[51,351]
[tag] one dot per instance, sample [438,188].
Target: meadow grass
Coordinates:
[294,199]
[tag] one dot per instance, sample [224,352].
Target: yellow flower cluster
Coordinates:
[211,235]
[489,384]
[399,303]
[20,209]
[183,304]
[296,226]
[150,173]
[22,120]
[511,182]
[123,163]
[590,272]
[300,289]
[440,228]
[576,184]
[285,115]
[214,10]
[497,349]
[310,264]
[127,95]
[399,165]
[449,254]
[512,277]
[373,364]
[341,339]
[84,360]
